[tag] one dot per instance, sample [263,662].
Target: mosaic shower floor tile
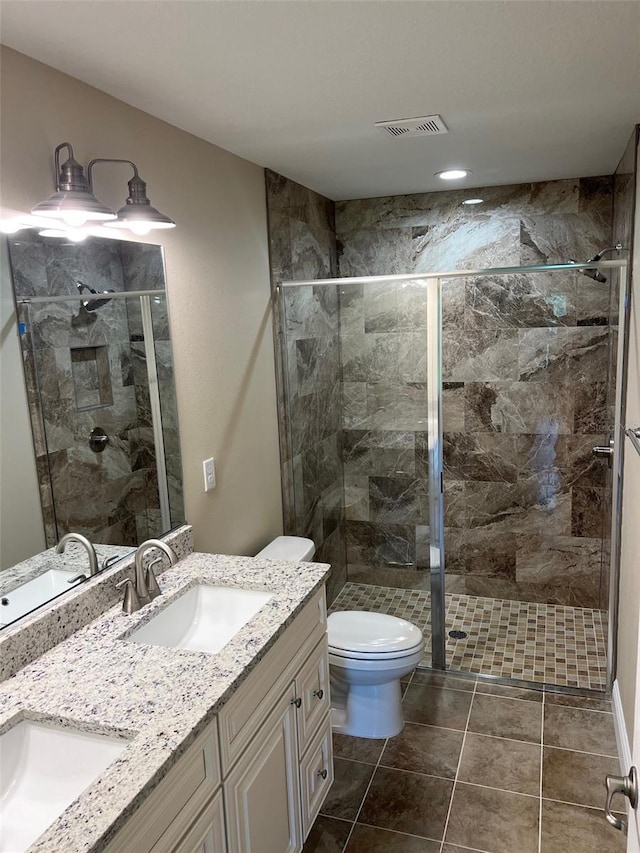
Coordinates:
[554,644]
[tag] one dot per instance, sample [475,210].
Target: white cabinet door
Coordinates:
[207,834]
[262,794]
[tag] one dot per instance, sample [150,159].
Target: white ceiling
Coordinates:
[530,89]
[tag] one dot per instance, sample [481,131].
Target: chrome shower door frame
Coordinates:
[436,477]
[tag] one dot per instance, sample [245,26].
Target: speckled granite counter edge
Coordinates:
[34,634]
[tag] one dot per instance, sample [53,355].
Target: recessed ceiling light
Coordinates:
[453,174]
[473,201]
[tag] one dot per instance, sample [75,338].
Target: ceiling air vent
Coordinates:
[421,126]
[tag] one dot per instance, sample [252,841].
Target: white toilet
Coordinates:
[368,655]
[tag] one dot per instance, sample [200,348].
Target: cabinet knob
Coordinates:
[297,702]
[319,693]
[324,773]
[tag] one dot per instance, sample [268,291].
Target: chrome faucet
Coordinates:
[91,551]
[146,583]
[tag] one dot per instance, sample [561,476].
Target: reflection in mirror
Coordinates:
[96,354]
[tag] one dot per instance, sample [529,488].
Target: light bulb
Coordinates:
[10,226]
[453,174]
[76,235]
[74,218]
[72,234]
[140,228]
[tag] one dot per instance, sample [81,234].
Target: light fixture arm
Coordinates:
[108,160]
[137,187]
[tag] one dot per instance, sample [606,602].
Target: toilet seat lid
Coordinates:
[363,631]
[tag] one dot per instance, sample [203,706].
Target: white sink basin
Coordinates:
[25,598]
[204,619]
[44,769]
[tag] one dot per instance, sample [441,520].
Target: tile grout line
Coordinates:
[355,820]
[455,781]
[541,772]
[366,793]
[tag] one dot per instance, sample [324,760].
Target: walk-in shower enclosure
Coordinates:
[444,425]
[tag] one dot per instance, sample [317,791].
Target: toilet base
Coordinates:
[367,710]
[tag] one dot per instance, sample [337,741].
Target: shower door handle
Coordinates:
[628,787]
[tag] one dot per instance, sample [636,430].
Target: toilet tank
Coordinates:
[293,548]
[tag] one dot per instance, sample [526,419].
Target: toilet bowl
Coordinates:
[368,655]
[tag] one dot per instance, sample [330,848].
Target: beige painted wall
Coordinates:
[629,604]
[217,278]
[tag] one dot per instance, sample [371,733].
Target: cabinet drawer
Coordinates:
[316,775]
[312,687]
[186,786]
[245,712]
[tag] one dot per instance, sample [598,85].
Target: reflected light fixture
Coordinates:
[452,174]
[74,204]
[76,235]
[73,201]
[137,213]
[11,226]
[473,201]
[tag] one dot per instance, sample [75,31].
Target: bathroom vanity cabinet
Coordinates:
[254,780]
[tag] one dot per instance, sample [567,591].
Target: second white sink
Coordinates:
[44,769]
[204,619]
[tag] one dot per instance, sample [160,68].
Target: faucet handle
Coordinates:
[152,582]
[131,601]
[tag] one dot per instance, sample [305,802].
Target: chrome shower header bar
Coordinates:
[375,279]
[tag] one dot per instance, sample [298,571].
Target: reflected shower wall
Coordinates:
[86,368]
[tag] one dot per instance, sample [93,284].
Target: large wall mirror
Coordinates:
[94,354]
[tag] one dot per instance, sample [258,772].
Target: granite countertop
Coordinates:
[159,698]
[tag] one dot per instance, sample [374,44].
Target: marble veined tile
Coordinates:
[379,452]
[483,355]
[558,238]
[471,244]
[518,407]
[399,499]
[563,355]
[558,559]
[481,456]
[521,301]
[377,252]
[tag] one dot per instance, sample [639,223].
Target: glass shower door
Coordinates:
[525,358]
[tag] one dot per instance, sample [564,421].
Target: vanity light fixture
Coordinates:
[452,174]
[72,202]
[11,226]
[473,201]
[137,214]
[75,204]
[76,235]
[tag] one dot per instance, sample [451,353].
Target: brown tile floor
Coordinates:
[549,643]
[479,767]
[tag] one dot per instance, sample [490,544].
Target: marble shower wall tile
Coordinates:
[302,246]
[525,361]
